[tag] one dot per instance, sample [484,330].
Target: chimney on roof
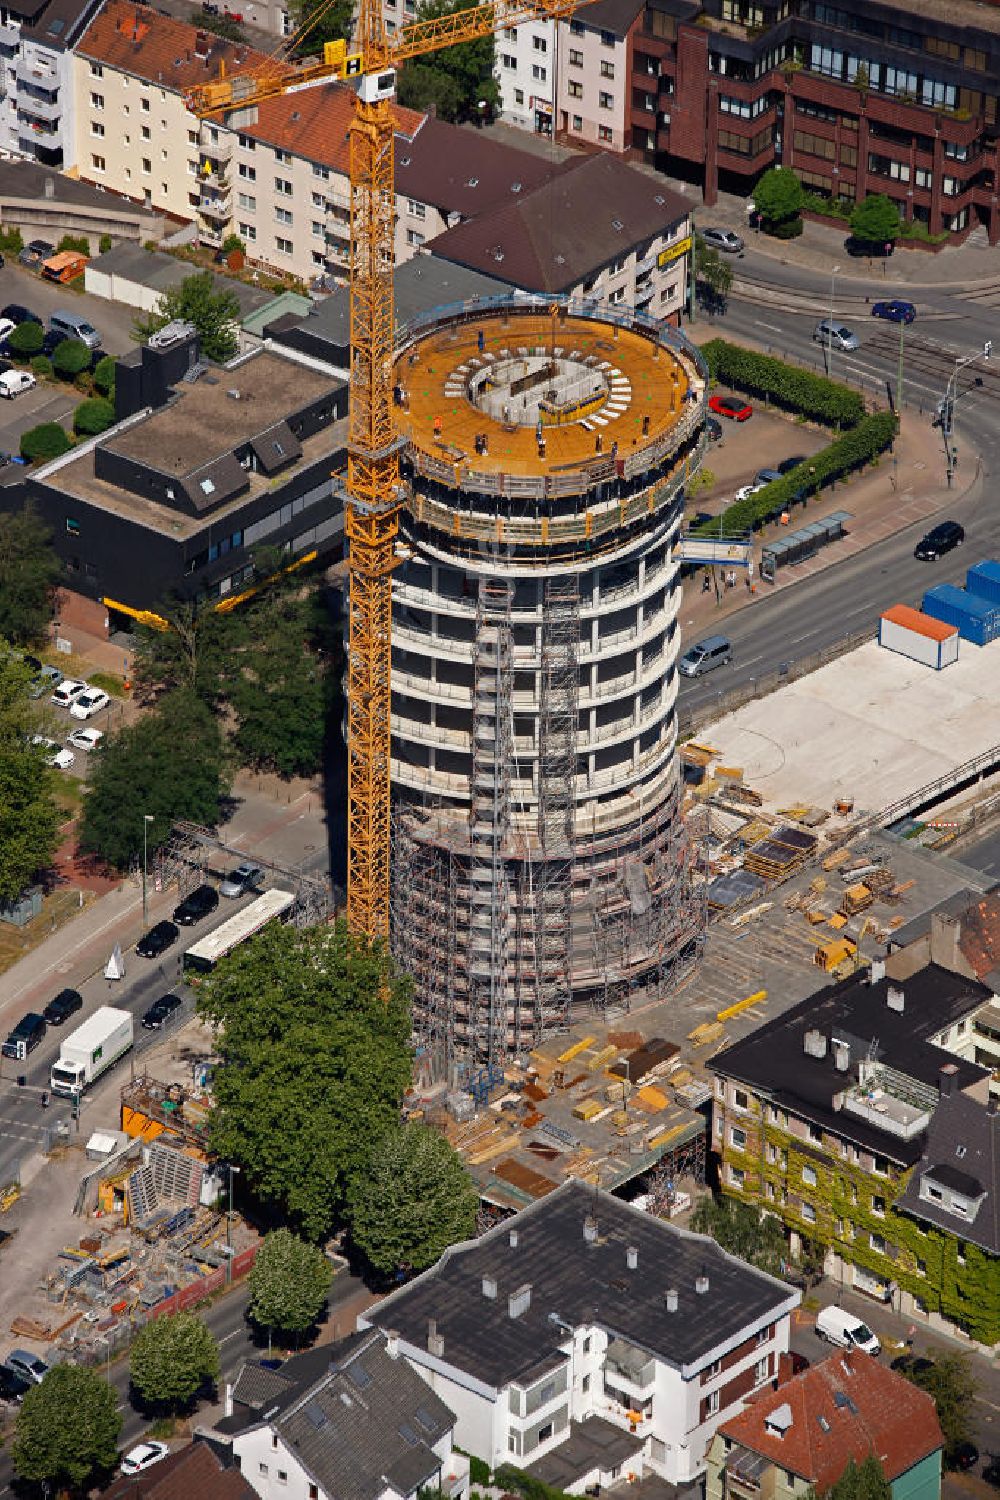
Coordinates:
[392,1343]
[946,945]
[946,1079]
[631,1257]
[590,1230]
[490,1288]
[877,971]
[435,1343]
[512,1239]
[670,1299]
[201,44]
[701,1282]
[814,1043]
[895,999]
[784,1372]
[993,1105]
[518,1302]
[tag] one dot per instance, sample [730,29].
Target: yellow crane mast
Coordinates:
[373,481]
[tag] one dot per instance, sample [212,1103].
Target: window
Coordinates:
[519,96]
[73,527]
[317,227]
[738,1137]
[274,1440]
[283,215]
[418,210]
[741,1099]
[249,174]
[314,1492]
[284,158]
[763,1334]
[712,1403]
[809,1176]
[816,1133]
[710,1371]
[880,1164]
[876,1242]
[285,246]
[921,1267]
[585,1384]
[960,1253]
[323,172]
[247,231]
[878,1205]
[145,106]
[607,69]
[575,91]
[283,1476]
[761,1371]
[606,101]
[247,201]
[508,60]
[414,237]
[586,1344]
[283,186]
[538,73]
[540,44]
[263,1468]
[808,1213]
[147,165]
[605,133]
[736,1174]
[146,133]
[578,120]
[575,58]
[97,101]
[98,163]
[608,39]
[96,71]
[96,128]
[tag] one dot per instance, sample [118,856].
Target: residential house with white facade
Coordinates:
[585,1341]
[595,73]
[525,69]
[37,95]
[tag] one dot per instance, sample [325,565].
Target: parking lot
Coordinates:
[764,441]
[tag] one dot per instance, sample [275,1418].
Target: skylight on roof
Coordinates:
[314,1414]
[425,1420]
[207,486]
[959,1152]
[515,187]
[473,182]
[823,1423]
[617,224]
[358,1374]
[408,1435]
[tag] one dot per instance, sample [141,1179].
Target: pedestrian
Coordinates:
[706,583]
[438,424]
[481,340]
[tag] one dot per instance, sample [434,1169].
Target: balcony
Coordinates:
[216,206]
[33,75]
[10,39]
[218,151]
[214,178]
[628,1369]
[208,234]
[32,107]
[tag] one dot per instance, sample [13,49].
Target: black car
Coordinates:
[160,1011]
[17,313]
[788,464]
[197,905]
[12,1387]
[991,1473]
[714,429]
[157,940]
[65,1004]
[52,340]
[939,541]
[911,1365]
[963,1456]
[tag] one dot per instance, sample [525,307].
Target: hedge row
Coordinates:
[846,454]
[815,397]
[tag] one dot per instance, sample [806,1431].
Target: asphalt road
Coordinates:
[796,622]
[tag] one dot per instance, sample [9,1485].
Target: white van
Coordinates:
[846,1330]
[13,382]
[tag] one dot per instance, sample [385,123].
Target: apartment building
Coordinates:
[133,130]
[37,98]
[598,228]
[526,68]
[595,76]
[835,1117]
[588,1342]
[857,98]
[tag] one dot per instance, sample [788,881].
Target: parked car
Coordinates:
[767,476]
[27,1365]
[160,1011]
[18,314]
[62,1006]
[746,490]
[157,940]
[836,335]
[846,1330]
[7,326]
[199,903]
[939,540]
[73,325]
[895,311]
[245,877]
[788,464]
[734,407]
[704,656]
[137,1460]
[35,251]
[68,691]
[55,755]
[45,680]
[89,703]
[15,383]
[714,430]
[85,739]
[12,1387]
[963,1456]
[723,239]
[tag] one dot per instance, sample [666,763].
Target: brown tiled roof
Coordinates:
[980,937]
[591,211]
[848,1407]
[314,123]
[192,1473]
[463,171]
[139,40]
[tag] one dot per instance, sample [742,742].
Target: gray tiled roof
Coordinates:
[257,1387]
[962,1151]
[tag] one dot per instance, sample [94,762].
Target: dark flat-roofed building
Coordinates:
[580,1307]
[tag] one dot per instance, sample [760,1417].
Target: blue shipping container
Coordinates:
[984,580]
[977,619]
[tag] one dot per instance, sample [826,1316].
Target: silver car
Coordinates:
[836,335]
[246,877]
[723,239]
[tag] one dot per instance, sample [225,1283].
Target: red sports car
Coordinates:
[732,406]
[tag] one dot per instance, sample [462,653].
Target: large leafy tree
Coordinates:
[416,1199]
[778,196]
[198,300]
[67,1429]
[288,1283]
[29,571]
[863,1481]
[742,1229]
[875,220]
[171,1359]
[714,275]
[457,80]
[317,23]
[953,1385]
[171,764]
[313,1032]
[29,814]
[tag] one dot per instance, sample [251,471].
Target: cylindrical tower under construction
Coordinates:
[539,862]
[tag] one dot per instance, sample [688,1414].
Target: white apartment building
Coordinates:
[583,1318]
[36,97]
[525,70]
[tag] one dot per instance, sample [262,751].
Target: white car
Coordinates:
[15,382]
[748,490]
[7,326]
[54,754]
[85,739]
[87,704]
[68,691]
[137,1460]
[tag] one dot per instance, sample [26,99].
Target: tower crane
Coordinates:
[374,494]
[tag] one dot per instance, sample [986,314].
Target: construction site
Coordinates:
[539,864]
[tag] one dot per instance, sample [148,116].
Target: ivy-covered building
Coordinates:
[847,1115]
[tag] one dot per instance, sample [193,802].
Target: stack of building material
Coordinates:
[921,637]
[781,853]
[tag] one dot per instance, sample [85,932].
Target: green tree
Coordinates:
[191,653]
[875,220]
[459,79]
[70,358]
[778,196]
[26,340]
[952,1383]
[105,243]
[714,274]
[77,242]
[41,367]
[288,1283]
[232,243]
[416,1199]
[170,764]
[93,416]
[743,1230]
[29,815]
[863,1481]
[67,1430]
[316,23]
[104,376]
[47,440]
[171,1359]
[29,572]
[313,1032]
[281,695]
[11,241]
[214,311]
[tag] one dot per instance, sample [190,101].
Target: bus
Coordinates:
[203,956]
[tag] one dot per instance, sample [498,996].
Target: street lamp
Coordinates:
[147,818]
[946,408]
[233,1172]
[829,326]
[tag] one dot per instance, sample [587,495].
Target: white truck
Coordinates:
[91,1049]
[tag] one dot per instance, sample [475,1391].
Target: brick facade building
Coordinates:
[856,98]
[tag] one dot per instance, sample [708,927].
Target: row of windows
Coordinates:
[820,112]
[744,109]
[900,36]
[824,147]
[899,82]
[744,145]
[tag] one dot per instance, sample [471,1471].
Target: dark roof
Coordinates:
[59,23]
[773,1059]
[964,1131]
[576,1282]
[591,1444]
[363,1418]
[592,210]
[27,179]
[198,1472]
[610,15]
[463,171]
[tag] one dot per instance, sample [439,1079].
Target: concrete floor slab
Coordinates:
[872,725]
